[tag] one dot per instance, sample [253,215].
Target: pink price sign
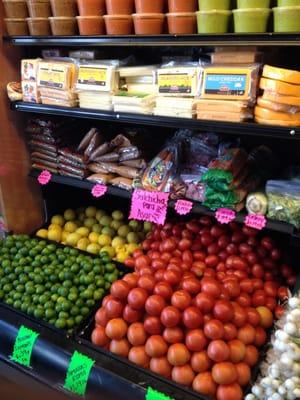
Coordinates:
[183,207]
[258,222]
[149,206]
[99,190]
[225,216]
[44,177]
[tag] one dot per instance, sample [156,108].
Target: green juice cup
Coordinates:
[253,4]
[208,5]
[251,20]
[215,21]
[286,19]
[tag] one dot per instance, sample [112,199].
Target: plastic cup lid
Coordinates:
[184,14]
[222,12]
[146,16]
[117,16]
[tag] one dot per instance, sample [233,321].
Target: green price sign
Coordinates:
[155,395]
[23,346]
[78,373]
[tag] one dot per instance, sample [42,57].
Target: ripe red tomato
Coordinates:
[158,263]
[191,285]
[116,328]
[223,241]
[99,337]
[184,244]
[223,310]
[237,350]
[192,318]
[224,373]
[212,260]
[120,290]
[120,347]
[246,334]
[161,366]
[230,331]
[271,303]
[258,271]
[184,375]
[137,298]
[204,384]
[155,304]
[101,317]
[195,340]
[200,361]
[181,299]
[243,373]
[283,293]
[163,289]
[114,308]
[159,275]
[279,311]
[259,298]
[218,351]
[153,325]
[138,356]
[260,336]
[214,329]
[244,300]
[240,315]
[173,335]
[246,286]
[253,317]
[147,282]
[130,315]
[251,356]
[257,284]
[204,302]
[178,354]
[232,286]
[170,317]
[244,248]
[232,392]
[136,334]
[232,249]
[172,277]
[142,261]
[211,287]
[156,346]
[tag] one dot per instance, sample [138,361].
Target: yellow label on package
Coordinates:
[95,77]
[177,81]
[54,75]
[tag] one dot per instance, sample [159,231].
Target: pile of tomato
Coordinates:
[198,305]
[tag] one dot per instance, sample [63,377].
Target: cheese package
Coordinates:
[30,92]
[58,94]
[172,112]
[224,116]
[282,74]
[277,122]
[95,101]
[57,75]
[281,98]
[58,102]
[96,77]
[264,113]
[279,87]
[148,110]
[271,105]
[133,99]
[230,83]
[29,69]
[238,57]
[183,103]
[144,70]
[178,81]
[234,106]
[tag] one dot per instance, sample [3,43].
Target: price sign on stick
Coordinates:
[99,190]
[78,373]
[44,177]
[258,222]
[23,346]
[183,207]
[156,395]
[224,215]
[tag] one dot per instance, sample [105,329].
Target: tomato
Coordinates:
[204,384]
[223,255]
[142,261]
[206,239]
[195,340]
[199,255]
[136,334]
[207,317]
[283,293]
[200,361]
[211,261]
[178,354]
[275,254]
[223,241]
[240,315]
[230,331]
[251,258]
[267,243]
[181,299]
[260,336]
[114,308]
[246,334]
[183,375]
[193,226]
[241,275]
[232,249]
[261,252]
[191,285]
[232,287]
[279,311]
[173,335]
[218,351]
[166,256]
[236,262]
[209,273]
[156,346]
[155,304]
[237,237]
[172,277]
[258,271]
[159,275]
[257,284]
[137,298]
[164,290]
[251,355]
[138,356]
[137,253]
[120,290]
[286,271]
[169,245]
[158,263]
[129,262]
[130,315]
[266,317]
[170,317]
[116,328]
[192,318]
[291,280]
[120,347]
[220,276]
[249,231]
[214,329]
[243,373]
[244,248]
[223,311]
[206,221]
[211,287]
[161,366]
[253,317]
[271,288]
[224,373]
[131,279]
[237,350]
[271,303]
[269,264]
[229,392]
[184,244]
[101,317]
[99,337]
[153,325]
[259,298]
[244,300]
[147,282]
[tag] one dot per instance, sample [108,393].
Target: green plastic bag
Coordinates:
[218,179]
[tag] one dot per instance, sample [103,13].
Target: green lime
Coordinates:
[84,311]
[63,292]
[30,289]
[49,304]
[61,323]
[78,319]
[50,313]
[17,296]
[98,294]
[20,288]
[54,297]
[67,284]
[66,305]
[1,294]
[35,299]
[63,315]
[79,303]
[74,311]
[110,267]
[38,313]
[75,268]
[100,282]
[10,302]
[72,296]
[87,294]
[90,303]
[17,304]
[39,289]
[107,285]
[70,322]
[7,288]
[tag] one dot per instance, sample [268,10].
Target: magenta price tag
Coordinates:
[183,207]
[256,221]
[99,190]
[224,215]
[44,177]
[149,206]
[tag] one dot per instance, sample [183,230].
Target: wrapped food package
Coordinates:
[14,91]
[121,182]
[97,168]
[236,57]
[96,77]
[233,160]
[178,81]
[43,166]
[29,69]
[30,92]
[100,178]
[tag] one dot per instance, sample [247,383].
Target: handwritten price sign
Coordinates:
[183,207]
[256,221]
[225,216]
[44,177]
[78,373]
[99,190]
[149,206]
[23,346]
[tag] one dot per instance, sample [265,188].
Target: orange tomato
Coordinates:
[243,373]
[204,384]
[224,373]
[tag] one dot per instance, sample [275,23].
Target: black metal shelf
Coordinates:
[232,128]
[229,39]
[273,225]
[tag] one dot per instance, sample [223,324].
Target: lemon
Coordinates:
[132,247]
[117,215]
[132,237]
[54,235]
[123,231]
[58,220]
[91,212]
[81,216]
[94,237]
[118,241]
[106,220]
[109,250]
[97,228]
[104,240]
[73,239]
[54,227]
[83,231]
[83,244]
[116,224]
[64,236]
[135,225]
[42,233]
[93,248]
[69,214]
[108,231]
[70,227]
[100,214]
[119,249]
[122,256]
[89,222]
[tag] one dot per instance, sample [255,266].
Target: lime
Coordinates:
[90,303]
[17,304]
[66,305]
[87,294]
[63,315]
[38,313]
[110,267]
[72,296]
[78,319]
[84,311]
[75,311]
[49,304]
[100,282]
[61,323]
[98,294]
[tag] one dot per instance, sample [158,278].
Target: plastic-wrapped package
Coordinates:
[281,98]
[129,153]
[265,114]
[139,163]
[57,74]
[75,171]
[29,69]
[72,155]
[178,80]
[94,76]
[121,182]
[14,91]
[59,94]
[271,105]
[108,157]
[218,179]
[102,150]
[233,160]
[97,168]
[126,172]
[43,166]
[120,141]
[225,115]
[86,139]
[284,201]
[94,143]
[231,106]
[30,92]
[39,156]
[101,178]
[215,199]
[51,101]
[282,74]
[287,89]
[195,189]
[35,144]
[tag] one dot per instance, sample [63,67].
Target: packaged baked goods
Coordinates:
[14,91]
[122,183]
[100,178]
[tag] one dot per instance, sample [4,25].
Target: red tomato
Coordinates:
[218,351]
[172,277]
[173,335]
[199,256]
[246,334]
[191,285]
[209,273]
[232,249]
[224,373]
[170,317]
[120,289]
[229,392]
[204,384]
[286,271]
[251,356]
[204,302]
[260,336]
[258,271]
[106,299]
[193,226]
[181,299]
[99,337]
[114,308]
[192,318]
[217,231]
[163,289]
[137,298]
[237,237]
[275,254]
[253,317]
[169,245]
[195,340]
[184,244]
[153,325]
[136,334]
[206,239]
[241,275]
[200,361]
[251,258]
[291,280]
[271,288]
[211,287]
[155,304]
[120,347]
[267,243]
[214,329]
[138,356]
[161,366]
[101,317]
[283,293]
[184,375]
[211,261]
[223,255]
[233,287]
[142,261]
[230,331]
[116,328]
[178,354]
[147,282]
[279,311]
[159,275]
[244,300]
[243,373]
[240,315]
[257,284]
[237,350]
[271,303]
[223,310]
[244,248]
[223,241]
[259,298]
[166,256]
[158,263]
[156,346]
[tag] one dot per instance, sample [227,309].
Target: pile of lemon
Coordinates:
[95,231]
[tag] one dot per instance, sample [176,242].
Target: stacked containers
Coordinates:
[287,16]
[251,16]
[214,16]
[90,21]
[63,21]
[39,12]
[16,13]
[182,16]
[118,20]
[149,18]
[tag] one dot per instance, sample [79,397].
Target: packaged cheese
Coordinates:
[236,57]
[58,94]
[58,102]
[31,92]
[271,105]
[231,83]
[264,113]
[281,98]
[96,77]
[95,100]
[289,124]
[281,74]
[234,106]
[57,75]
[29,69]
[178,81]
[133,99]
[279,87]
[224,116]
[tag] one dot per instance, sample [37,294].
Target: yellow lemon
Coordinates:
[54,227]
[104,240]
[54,235]
[116,224]
[132,247]
[106,220]
[70,227]
[69,215]
[58,220]
[118,241]
[123,231]
[89,222]
[94,237]
[109,250]
[97,228]
[42,233]
[73,239]
[93,248]
[83,231]
[122,256]
[64,236]
[100,214]
[83,244]
[91,212]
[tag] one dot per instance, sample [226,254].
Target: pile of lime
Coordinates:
[59,285]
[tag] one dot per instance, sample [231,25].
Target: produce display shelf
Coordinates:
[273,225]
[229,39]
[232,128]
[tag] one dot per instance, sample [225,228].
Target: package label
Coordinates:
[225,215]
[225,84]
[53,77]
[92,76]
[99,190]
[44,177]
[23,346]
[258,222]
[149,206]
[183,207]
[156,395]
[175,83]
[78,373]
